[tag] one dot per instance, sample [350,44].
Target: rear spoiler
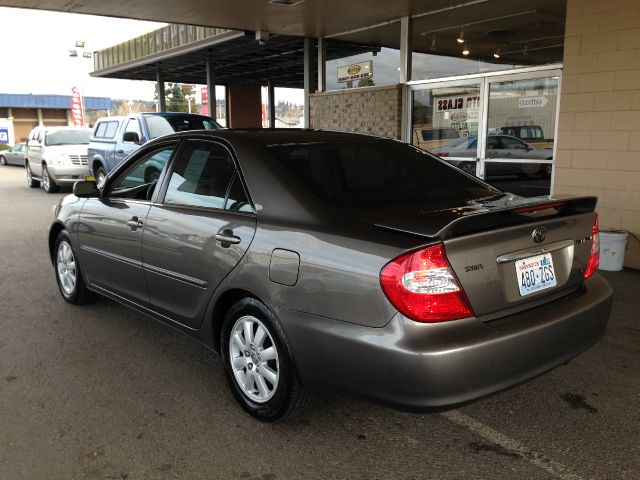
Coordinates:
[518,212]
[494,214]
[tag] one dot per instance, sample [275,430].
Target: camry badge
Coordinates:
[539,234]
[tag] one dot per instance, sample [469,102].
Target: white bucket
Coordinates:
[613,243]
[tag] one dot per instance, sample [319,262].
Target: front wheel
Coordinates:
[68,273]
[3,160]
[33,183]
[100,175]
[47,182]
[258,363]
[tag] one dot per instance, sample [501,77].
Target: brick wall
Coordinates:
[599,128]
[374,110]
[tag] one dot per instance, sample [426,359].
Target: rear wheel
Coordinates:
[258,363]
[47,182]
[68,273]
[33,183]
[3,160]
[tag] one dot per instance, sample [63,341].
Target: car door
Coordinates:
[15,155]
[197,231]
[124,149]
[110,228]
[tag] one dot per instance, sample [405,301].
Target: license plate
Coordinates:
[535,274]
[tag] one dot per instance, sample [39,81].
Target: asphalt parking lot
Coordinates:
[102,392]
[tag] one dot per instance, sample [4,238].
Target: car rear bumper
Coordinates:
[422,366]
[68,175]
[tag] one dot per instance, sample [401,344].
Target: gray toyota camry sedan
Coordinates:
[312,259]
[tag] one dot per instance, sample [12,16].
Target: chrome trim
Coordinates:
[551,247]
[176,276]
[113,256]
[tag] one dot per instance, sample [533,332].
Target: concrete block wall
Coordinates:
[376,110]
[599,125]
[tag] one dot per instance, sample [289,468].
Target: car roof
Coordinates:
[283,136]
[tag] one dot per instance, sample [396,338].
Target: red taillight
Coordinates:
[536,208]
[594,258]
[423,287]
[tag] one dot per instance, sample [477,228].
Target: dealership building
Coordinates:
[535,96]
[20,113]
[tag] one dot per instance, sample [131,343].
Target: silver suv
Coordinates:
[56,156]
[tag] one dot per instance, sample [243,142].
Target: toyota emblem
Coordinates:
[539,234]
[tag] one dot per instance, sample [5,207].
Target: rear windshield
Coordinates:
[159,125]
[66,137]
[363,175]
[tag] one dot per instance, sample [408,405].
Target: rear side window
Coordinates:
[378,174]
[203,177]
[106,130]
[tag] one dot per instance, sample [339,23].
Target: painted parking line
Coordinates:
[556,469]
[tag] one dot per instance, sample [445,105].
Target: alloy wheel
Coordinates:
[46,181]
[254,359]
[66,267]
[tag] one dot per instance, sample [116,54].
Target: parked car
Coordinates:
[427,138]
[532,134]
[14,156]
[498,146]
[56,156]
[311,259]
[113,138]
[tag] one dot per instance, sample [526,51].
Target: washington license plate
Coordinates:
[535,274]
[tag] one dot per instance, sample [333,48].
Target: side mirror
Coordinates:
[86,189]
[131,137]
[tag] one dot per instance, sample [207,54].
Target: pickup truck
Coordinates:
[114,138]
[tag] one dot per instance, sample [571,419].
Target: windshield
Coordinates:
[378,174]
[159,125]
[67,137]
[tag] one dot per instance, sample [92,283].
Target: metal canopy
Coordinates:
[237,58]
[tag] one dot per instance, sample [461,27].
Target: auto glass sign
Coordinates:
[355,71]
[460,102]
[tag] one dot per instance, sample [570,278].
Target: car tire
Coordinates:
[68,273]
[47,182]
[100,175]
[3,160]
[268,389]
[33,183]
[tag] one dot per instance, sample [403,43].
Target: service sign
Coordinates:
[355,71]
[4,135]
[532,102]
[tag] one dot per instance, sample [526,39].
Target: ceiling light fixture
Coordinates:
[496,54]
[465,50]
[460,38]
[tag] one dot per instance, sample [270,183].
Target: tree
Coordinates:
[177,97]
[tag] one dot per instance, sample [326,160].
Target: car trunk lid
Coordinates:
[489,243]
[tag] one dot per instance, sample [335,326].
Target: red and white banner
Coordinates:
[204,99]
[77,114]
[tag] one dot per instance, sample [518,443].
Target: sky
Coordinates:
[37,58]
[35,55]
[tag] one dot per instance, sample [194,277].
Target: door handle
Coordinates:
[134,223]
[119,151]
[227,238]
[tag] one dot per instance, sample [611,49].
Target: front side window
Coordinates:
[134,127]
[202,177]
[139,179]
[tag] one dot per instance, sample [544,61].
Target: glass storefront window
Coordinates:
[446,122]
[363,59]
